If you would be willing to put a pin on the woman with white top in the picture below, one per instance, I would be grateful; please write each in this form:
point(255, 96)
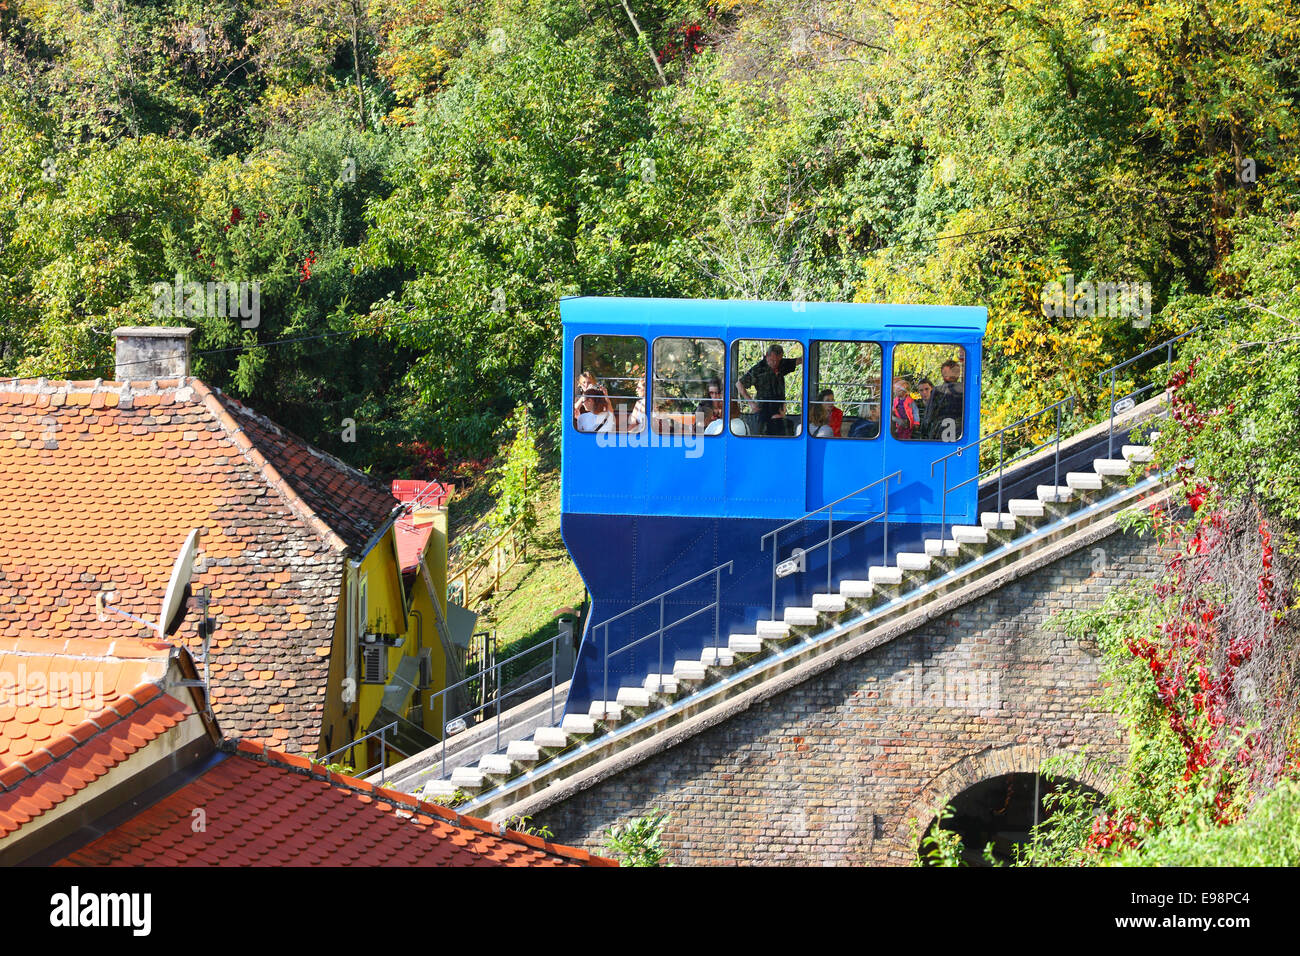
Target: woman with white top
point(596, 414)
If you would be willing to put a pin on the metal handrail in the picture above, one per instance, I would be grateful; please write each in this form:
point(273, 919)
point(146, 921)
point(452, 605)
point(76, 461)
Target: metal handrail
point(382, 733)
point(498, 698)
point(715, 605)
point(1057, 407)
point(1168, 346)
point(829, 508)
point(470, 569)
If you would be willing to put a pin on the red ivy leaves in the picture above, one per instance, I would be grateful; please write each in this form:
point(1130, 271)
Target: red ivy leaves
point(685, 41)
point(1192, 692)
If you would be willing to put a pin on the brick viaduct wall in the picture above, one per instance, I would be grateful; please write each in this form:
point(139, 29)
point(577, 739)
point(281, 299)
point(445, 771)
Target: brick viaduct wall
point(832, 770)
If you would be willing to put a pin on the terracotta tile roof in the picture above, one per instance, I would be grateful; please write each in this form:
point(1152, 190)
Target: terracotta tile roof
point(353, 505)
point(72, 710)
point(102, 483)
point(271, 809)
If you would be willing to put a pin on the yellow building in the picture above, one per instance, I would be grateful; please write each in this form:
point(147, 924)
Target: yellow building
point(396, 636)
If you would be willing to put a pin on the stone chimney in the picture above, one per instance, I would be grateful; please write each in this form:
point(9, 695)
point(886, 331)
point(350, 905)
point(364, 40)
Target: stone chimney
point(152, 352)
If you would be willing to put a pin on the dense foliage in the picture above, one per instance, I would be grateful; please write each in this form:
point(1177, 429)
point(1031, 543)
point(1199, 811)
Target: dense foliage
point(412, 185)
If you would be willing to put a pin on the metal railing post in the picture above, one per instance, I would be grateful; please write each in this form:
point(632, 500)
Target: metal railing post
point(1110, 428)
point(830, 547)
point(885, 561)
point(604, 695)
point(555, 647)
point(717, 610)
point(943, 506)
point(1001, 446)
point(661, 636)
point(1056, 467)
point(774, 551)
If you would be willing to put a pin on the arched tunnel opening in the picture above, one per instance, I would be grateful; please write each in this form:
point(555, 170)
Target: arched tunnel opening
point(1001, 812)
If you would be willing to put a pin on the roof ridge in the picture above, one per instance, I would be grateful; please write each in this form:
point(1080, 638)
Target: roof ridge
point(45, 386)
point(284, 432)
point(235, 432)
point(258, 751)
point(82, 649)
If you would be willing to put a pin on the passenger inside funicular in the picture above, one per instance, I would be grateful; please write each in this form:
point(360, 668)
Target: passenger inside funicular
point(687, 385)
point(931, 412)
point(847, 372)
point(767, 379)
point(610, 386)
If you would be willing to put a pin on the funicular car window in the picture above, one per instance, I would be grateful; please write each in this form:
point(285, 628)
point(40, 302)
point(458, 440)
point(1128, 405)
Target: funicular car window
point(928, 392)
point(844, 390)
point(767, 388)
point(609, 390)
point(687, 394)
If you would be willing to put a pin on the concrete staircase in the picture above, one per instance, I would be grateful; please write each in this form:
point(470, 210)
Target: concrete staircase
point(555, 753)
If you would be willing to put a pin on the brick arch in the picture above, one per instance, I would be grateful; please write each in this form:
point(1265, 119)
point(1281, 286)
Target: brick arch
point(972, 769)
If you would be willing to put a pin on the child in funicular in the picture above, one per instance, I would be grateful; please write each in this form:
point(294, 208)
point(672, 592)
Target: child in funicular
point(903, 418)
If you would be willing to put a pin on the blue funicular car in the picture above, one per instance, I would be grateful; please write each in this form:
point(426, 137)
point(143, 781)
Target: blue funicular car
point(699, 432)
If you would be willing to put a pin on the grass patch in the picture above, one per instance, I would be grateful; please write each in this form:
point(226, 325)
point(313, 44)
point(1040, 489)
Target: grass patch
point(523, 610)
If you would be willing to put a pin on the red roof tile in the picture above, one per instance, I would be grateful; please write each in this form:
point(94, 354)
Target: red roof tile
point(262, 809)
point(101, 499)
point(70, 712)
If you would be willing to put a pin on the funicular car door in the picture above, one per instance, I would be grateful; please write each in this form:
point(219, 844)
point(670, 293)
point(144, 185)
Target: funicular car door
point(932, 411)
point(845, 443)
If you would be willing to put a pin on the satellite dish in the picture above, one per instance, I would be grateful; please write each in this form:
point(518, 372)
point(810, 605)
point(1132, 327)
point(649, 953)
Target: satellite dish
point(181, 571)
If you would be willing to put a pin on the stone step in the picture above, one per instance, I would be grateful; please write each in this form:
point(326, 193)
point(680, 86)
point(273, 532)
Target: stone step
point(828, 603)
point(882, 575)
point(996, 521)
point(633, 697)
point(717, 657)
point(496, 765)
point(969, 534)
point(856, 589)
point(1111, 467)
point(912, 561)
point(1138, 452)
point(769, 629)
point(551, 738)
point(1084, 481)
point(521, 751)
point(936, 548)
point(1055, 494)
point(468, 778)
point(801, 616)
point(689, 670)
point(1025, 507)
point(660, 684)
point(745, 643)
point(607, 710)
point(436, 791)
point(579, 725)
